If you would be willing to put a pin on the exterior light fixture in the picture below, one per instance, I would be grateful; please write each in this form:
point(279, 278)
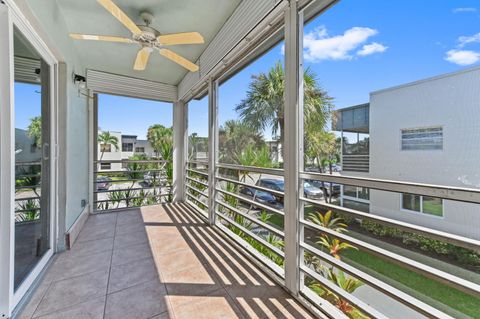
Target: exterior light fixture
point(80, 81)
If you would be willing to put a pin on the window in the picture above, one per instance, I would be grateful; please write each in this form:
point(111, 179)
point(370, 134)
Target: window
point(105, 165)
point(127, 147)
point(105, 148)
point(429, 138)
point(356, 192)
point(423, 204)
point(139, 149)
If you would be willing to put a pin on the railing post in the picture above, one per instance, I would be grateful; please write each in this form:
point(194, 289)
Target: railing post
point(212, 147)
point(293, 144)
point(180, 135)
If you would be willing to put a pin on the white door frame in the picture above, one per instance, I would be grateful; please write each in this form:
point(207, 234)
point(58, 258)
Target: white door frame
point(10, 16)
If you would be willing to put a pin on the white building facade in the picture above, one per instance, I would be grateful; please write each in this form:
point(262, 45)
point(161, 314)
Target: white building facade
point(425, 132)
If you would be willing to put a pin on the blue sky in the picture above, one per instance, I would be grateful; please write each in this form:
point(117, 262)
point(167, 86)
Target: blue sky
point(356, 47)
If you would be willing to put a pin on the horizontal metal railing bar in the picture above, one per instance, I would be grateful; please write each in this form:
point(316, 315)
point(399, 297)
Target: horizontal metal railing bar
point(197, 181)
point(200, 211)
point(123, 180)
point(130, 198)
point(27, 163)
point(253, 169)
point(130, 171)
point(132, 161)
point(436, 274)
point(27, 198)
point(197, 199)
point(19, 176)
point(270, 228)
point(129, 189)
point(27, 210)
point(383, 287)
point(266, 207)
point(197, 190)
point(365, 308)
point(249, 185)
point(27, 187)
point(196, 172)
point(251, 234)
point(429, 232)
point(446, 192)
point(198, 162)
point(355, 155)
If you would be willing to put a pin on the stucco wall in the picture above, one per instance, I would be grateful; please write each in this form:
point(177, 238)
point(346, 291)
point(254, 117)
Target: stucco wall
point(451, 101)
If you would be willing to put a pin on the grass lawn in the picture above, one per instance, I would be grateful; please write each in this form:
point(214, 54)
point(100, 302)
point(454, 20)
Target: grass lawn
point(453, 298)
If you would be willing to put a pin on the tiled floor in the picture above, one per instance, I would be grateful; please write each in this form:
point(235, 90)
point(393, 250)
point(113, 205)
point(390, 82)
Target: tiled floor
point(156, 262)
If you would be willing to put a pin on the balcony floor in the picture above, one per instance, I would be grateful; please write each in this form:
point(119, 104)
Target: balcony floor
point(156, 262)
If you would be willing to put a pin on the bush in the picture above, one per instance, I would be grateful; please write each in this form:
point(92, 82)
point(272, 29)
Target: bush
point(463, 256)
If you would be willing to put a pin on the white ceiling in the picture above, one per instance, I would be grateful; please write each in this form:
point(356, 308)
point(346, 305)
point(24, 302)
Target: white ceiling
point(171, 16)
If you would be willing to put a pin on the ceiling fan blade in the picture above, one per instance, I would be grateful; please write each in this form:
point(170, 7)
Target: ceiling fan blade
point(181, 38)
point(179, 59)
point(120, 15)
point(142, 59)
point(93, 37)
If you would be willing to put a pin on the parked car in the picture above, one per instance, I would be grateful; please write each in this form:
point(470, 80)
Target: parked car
point(150, 179)
point(335, 188)
point(103, 183)
point(310, 190)
point(262, 197)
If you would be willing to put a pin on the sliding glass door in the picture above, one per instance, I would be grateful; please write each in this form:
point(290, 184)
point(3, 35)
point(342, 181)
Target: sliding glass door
point(27, 198)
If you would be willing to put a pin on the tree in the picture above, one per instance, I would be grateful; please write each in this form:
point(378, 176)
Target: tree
point(157, 134)
point(106, 138)
point(34, 130)
point(235, 137)
point(264, 105)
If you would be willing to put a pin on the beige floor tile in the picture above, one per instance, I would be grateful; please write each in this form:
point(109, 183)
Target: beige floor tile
point(96, 232)
point(69, 264)
point(139, 237)
point(69, 292)
point(292, 311)
point(129, 217)
point(92, 247)
point(131, 274)
point(196, 281)
point(215, 305)
point(125, 255)
point(92, 309)
point(166, 242)
point(155, 215)
point(176, 261)
point(129, 228)
point(140, 302)
point(101, 219)
point(35, 300)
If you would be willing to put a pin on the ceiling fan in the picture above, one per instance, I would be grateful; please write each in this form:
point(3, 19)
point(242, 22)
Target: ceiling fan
point(146, 36)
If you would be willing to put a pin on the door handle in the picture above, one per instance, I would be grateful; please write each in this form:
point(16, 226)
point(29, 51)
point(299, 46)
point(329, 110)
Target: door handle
point(45, 151)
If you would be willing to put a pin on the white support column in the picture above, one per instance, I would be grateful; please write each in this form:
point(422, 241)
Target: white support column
point(293, 144)
point(7, 160)
point(180, 132)
point(212, 147)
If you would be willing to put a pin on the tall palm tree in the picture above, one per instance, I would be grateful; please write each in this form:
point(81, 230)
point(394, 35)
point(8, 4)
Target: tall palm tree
point(235, 137)
point(264, 105)
point(157, 134)
point(34, 130)
point(106, 138)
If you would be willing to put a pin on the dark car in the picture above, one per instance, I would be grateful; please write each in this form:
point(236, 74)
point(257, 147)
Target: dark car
point(259, 196)
point(309, 190)
point(103, 183)
point(326, 186)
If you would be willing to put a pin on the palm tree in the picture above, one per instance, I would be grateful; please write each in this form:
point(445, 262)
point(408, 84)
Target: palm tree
point(235, 137)
point(264, 105)
point(157, 134)
point(106, 138)
point(34, 130)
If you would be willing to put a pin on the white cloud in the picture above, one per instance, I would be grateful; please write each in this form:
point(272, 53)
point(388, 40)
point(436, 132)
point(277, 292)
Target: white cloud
point(464, 40)
point(462, 57)
point(320, 46)
point(461, 10)
point(372, 48)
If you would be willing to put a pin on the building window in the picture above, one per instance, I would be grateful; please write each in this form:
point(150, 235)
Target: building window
point(139, 149)
point(105, 148)
point(127, 147)
point(423, 204)
point(356, 192)
point(428, 138)
point(105, 165)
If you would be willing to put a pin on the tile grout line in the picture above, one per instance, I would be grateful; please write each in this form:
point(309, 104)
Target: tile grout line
point(110, 268)
point(43, 297)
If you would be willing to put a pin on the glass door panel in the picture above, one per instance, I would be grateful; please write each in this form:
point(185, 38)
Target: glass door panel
point(32, 162)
